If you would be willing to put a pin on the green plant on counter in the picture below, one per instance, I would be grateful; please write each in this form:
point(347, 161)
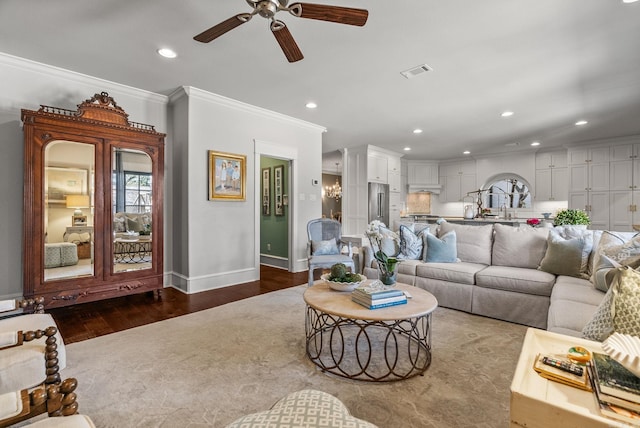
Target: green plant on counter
point(571, 216)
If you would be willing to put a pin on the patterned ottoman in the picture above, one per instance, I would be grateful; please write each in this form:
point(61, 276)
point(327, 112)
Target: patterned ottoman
point(303, 409)
point(60, 254)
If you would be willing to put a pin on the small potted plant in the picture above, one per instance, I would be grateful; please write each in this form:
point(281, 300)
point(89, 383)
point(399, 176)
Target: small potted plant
point(571, 217)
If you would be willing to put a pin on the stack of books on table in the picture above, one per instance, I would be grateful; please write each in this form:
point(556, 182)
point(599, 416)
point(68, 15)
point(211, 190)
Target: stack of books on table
point(376, 295)
point(617, 390)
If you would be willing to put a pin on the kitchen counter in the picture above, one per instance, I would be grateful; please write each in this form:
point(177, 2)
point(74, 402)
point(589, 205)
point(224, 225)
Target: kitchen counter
point(460, 220)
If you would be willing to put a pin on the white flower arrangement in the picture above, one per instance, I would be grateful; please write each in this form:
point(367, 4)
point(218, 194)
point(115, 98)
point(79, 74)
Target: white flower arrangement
point(386, 264)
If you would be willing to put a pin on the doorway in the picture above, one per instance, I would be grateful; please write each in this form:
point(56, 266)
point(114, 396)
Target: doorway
point(274, 212)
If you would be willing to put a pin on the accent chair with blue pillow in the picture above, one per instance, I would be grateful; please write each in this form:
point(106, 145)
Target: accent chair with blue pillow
point(324, 246)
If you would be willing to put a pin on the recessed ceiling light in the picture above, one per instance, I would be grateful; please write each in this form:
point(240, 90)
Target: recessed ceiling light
point(311, 104)
point(506, 113)
point(407, 149)
point(535, 143)
point(629, 1)
point(417, 131)
point(581, 122)
point(167, 53)
point(466, 152)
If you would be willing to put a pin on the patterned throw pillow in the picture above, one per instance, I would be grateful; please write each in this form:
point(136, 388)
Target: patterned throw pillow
point(619, 310)
point(324, 248)
point(411, 244)
point(619, 247)
point(441, 250)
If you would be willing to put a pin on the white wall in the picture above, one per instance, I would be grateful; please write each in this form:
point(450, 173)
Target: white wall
point(220, 236)
point(26, 85)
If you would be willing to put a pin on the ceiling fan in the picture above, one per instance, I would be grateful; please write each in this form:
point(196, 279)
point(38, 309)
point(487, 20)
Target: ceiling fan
point(268, 9)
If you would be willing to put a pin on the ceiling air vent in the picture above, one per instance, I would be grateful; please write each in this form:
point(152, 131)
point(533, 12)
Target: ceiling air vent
point(413, 72)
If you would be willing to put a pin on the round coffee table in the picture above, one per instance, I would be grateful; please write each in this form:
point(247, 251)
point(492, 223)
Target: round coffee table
point(379, 345)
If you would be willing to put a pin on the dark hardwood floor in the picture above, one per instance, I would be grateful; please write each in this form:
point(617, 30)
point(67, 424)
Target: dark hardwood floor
point(88, 320)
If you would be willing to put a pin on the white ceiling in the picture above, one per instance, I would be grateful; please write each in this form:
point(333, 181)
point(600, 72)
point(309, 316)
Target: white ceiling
point(552, 62)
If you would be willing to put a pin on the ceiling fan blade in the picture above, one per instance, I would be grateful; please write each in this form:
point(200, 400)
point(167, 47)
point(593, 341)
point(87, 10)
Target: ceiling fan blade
point(286, 42)
point(223, 27)
point(339, 14)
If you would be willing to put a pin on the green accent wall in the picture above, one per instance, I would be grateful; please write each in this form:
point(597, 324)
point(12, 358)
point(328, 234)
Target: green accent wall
point(274, 230)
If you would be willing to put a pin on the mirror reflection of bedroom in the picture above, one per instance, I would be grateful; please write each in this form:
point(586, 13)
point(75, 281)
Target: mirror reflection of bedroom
point(68, 210)
point(132, 204)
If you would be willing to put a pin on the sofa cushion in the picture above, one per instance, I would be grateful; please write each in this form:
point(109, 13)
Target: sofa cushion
point(408, 267)
point(521, 280)
point(440, 250)
point(522, 247)
point(568, 316)
point(461, 273)
point(567, 254)
point(577, 290)
point(473, 243)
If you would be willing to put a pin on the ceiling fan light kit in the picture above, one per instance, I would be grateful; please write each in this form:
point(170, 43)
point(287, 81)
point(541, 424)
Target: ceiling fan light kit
point(268, 9)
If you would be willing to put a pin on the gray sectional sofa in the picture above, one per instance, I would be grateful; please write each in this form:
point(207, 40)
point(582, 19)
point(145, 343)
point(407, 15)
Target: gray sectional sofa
point(515, 274)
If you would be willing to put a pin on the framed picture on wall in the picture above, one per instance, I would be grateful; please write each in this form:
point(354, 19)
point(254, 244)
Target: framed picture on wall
point(266, 191)
point(61, 182)
point(278, 189)
point(227, 176)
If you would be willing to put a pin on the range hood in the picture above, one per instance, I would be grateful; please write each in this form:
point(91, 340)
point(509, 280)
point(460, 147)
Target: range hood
point(431, 188)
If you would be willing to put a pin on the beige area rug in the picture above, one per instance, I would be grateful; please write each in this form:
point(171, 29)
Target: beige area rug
point(211, 367)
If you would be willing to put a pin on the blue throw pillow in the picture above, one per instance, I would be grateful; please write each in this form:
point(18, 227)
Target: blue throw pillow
point(441, 250)
point(324, 248)
point(411, 244)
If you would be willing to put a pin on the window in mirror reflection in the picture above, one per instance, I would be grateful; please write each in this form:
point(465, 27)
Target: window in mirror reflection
point(510, 191)
point(68, 210)
point(132, 207)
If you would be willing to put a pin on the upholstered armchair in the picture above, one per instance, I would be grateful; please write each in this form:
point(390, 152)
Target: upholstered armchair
point(325, 244)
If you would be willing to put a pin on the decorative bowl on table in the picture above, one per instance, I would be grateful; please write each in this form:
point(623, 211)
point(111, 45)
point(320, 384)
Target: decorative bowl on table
point(342, 286)
point(625, 349)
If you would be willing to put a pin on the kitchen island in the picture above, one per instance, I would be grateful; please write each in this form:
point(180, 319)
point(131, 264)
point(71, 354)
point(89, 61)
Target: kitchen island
point(431, 219)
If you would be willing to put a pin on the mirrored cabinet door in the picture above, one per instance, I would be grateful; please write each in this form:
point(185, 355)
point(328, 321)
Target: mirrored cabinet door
point(93, 198)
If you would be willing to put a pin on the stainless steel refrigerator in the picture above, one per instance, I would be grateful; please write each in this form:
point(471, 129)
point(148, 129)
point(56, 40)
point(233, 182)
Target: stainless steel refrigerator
point(379, 203)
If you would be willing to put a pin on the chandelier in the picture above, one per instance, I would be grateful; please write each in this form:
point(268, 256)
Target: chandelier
point(334, 191)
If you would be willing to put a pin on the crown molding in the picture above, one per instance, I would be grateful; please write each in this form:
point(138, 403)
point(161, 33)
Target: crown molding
point(210, 97)
point(62, 73)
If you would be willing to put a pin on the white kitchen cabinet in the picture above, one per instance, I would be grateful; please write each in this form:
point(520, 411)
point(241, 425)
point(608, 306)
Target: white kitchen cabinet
point(395, 206)
point(576, 156)
point(395, 182)
point(394, 164)
point(625, 167)
point(589, 183)
point(377, 168)
point(422, 172)
point(596, 204)
point(555, 159)
point(589, 176)
point(551, 176)
point(623, 210)
point(552, 184)
point(457, 180)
